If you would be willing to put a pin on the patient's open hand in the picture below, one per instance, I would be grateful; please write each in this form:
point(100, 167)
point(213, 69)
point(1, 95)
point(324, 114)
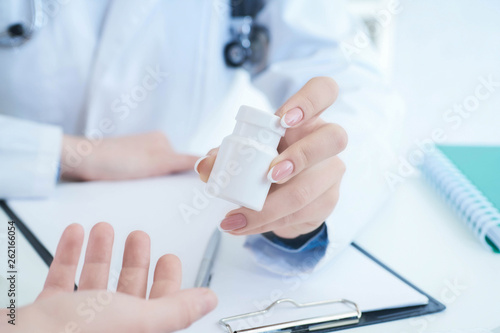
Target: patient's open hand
point(94, 309)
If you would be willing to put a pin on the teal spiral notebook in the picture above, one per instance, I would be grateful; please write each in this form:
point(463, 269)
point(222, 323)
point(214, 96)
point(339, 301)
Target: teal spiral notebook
point(468, 177)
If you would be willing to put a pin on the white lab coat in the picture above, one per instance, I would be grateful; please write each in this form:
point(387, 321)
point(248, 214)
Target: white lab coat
point(107, 68)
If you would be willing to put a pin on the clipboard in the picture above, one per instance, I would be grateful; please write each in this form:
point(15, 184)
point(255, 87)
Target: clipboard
point(349, 319)
point(312, 324)
point(380, 316)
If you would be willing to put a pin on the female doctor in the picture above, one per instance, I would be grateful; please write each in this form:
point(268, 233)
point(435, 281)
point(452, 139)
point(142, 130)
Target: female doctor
point(130, 89)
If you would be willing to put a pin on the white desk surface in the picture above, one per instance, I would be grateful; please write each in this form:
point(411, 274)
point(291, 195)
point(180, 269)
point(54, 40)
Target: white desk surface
point(418, 236)
point(441, 49)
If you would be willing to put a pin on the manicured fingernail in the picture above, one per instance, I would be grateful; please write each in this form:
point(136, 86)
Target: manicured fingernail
point(233, 222)
point(292, 118)
point(280, 171)
point(198, 163)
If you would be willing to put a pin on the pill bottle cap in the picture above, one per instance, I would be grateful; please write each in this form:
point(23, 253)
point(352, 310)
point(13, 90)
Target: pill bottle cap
point(267, 120)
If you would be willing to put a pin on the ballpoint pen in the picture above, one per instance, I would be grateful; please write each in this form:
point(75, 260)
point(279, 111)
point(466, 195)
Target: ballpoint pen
point(205, 270)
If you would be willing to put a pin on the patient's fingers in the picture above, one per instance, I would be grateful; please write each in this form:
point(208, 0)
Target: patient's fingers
point(95, 272)
point(179, 310)
point(168, 276)
point(134, 275)
point(61, 277)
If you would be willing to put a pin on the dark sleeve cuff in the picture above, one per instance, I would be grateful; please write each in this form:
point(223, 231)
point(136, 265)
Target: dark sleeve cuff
point(296, 243)
point(289, 257)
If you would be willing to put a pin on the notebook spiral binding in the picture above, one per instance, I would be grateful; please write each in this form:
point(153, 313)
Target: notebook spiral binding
point(473, 207)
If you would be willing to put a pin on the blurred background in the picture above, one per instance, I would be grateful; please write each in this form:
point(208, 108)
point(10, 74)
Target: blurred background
point(435, 53)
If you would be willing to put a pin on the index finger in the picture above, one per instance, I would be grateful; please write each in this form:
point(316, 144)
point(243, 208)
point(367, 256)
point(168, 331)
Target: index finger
point(168, 276)
point(310, 101)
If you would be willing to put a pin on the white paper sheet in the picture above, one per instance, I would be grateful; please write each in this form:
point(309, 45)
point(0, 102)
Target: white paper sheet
point(244, 287)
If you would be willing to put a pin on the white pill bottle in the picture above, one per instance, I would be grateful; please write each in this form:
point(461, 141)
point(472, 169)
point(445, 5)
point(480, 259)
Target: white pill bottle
point(240, 171)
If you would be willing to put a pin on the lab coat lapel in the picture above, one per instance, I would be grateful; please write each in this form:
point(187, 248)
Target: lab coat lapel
point(123, 19)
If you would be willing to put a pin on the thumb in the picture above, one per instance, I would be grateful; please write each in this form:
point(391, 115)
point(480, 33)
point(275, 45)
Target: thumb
point(182, 162)
point(205, 164)
point(179, 310)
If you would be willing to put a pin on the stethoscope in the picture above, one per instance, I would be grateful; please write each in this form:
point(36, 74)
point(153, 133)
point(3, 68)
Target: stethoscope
point(247, 47)
point(249, 42)
point(19, 33)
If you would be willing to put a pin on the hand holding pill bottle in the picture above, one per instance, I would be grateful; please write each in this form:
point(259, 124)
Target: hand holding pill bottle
point(240, 172)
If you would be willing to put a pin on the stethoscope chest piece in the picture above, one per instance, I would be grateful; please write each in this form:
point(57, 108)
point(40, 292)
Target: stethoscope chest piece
point(250, 41)
point(19, 33)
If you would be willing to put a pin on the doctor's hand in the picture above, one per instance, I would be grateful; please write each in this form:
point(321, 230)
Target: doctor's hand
point(127, 157)
point(94, 309)
point(306, 174)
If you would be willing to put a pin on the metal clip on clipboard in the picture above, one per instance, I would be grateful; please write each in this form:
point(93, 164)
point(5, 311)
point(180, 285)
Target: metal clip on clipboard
point(302, 325)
